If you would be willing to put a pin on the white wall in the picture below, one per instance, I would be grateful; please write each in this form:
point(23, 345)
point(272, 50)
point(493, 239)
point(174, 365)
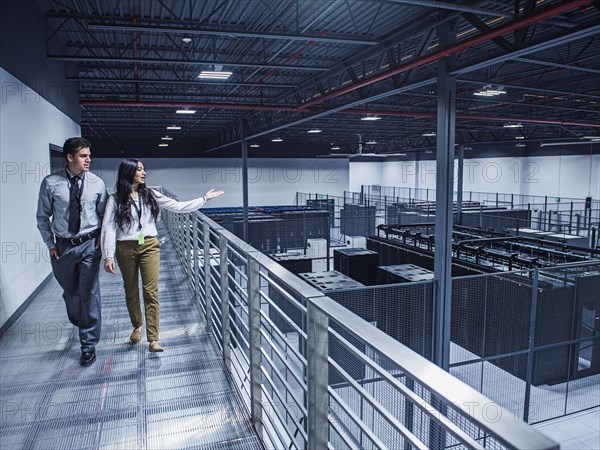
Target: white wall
point(28, 124)
point(554, 176)
point(365, 173)
point(270, 181)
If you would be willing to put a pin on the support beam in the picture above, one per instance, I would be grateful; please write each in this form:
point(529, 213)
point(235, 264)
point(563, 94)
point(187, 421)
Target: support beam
point(443, 216)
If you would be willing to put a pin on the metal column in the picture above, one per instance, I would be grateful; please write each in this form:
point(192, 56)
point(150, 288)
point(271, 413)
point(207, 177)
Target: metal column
point(443, 218)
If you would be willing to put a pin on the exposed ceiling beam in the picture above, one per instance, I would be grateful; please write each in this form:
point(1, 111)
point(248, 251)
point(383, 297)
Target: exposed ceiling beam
point(182, 62)
point(561, 66)
point(581, 32)
point(453, 7)
point(193, 81)
point(135, 104)
point(228, 32)
point(454, 49)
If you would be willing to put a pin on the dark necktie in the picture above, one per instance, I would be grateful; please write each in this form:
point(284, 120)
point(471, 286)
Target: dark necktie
point(74, 206)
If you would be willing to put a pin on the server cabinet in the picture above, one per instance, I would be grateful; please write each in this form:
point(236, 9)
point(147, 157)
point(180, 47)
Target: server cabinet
point(359, 264)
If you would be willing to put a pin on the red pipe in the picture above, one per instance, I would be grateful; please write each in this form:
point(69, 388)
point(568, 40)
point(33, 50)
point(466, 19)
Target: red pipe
point(454, 49)
point(348, 111)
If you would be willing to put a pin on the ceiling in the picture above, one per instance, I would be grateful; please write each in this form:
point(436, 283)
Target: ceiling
point(299, 65)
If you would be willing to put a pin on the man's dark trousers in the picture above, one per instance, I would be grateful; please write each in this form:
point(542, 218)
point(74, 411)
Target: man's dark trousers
point(77, 272)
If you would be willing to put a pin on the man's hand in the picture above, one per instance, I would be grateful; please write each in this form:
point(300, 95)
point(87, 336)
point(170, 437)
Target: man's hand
point(109, 265)
point(53, 253)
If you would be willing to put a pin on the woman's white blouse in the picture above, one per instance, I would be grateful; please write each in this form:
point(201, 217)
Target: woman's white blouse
point(112, 233)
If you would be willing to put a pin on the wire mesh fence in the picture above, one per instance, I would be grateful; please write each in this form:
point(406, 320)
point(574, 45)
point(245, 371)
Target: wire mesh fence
point(313, 374)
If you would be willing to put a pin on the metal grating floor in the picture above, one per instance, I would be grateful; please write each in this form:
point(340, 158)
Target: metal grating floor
point(129, 398)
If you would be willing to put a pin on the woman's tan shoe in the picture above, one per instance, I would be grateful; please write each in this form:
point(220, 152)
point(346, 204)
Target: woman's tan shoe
point(155, 347)
point(136, 335)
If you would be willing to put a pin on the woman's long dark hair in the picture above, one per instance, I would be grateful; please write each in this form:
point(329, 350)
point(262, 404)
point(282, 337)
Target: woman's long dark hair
point(124, 185)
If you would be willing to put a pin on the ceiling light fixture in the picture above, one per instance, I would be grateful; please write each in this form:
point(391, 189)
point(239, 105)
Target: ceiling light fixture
point(553, 144)
point(335, 147)
point(211, 75)
point(314, 130)
point(186, 111)
point(519, 137)
point(166, 138)
point(214, 75)
point(490, 90)
point(187, 40)
point(371, 142)
point(254, 145)
point(513, 125)
point(163, 145)
point(429, 134)
point(370, 117)
point(592, 138)
point(521, 144)
point(173, 127)
point(277, 139)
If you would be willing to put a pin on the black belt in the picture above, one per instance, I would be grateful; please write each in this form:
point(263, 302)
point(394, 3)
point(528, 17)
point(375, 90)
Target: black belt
point(80, 239)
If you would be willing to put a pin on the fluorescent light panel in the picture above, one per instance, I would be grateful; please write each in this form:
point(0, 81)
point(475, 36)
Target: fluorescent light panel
point(513, 125)
point(490, 90)
point(277, 140)
point(254, 145)
point(163, 145)
point(186, 111)
point(213, 75)
point(315, 130)
point(173, 127)
point(166, 138)
point(369, 117)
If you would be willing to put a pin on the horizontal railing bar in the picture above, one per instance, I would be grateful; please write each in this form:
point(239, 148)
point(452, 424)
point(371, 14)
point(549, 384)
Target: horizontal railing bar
point(357, 421)
point(268, 396)
point(271, 383)
point(278, 332)
point(300, 381)
point(383, 411)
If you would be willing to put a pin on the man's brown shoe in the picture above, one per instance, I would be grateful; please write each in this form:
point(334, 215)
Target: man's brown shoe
point(136, 336)
point(155, 347)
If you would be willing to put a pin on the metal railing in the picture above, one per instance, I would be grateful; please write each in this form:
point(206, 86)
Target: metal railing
point(561, 215)
point(313, 374)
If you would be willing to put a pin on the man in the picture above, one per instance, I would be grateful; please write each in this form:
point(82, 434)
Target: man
point(69, 216)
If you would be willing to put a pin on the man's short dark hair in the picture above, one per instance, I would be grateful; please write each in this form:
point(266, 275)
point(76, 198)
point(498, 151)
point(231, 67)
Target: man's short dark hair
point(73, 145)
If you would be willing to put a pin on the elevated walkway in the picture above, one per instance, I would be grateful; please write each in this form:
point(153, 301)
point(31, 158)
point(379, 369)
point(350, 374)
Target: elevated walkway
point(129, 398)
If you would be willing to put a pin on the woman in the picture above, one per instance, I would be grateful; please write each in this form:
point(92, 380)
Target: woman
point(129, 226)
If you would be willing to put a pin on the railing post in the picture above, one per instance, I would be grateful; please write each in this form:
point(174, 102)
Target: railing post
point(207, 290)
point(187, 241)
point(318, 378)
point(225, 327)
point(253, 290)
point(531, 346)
point(196, 266)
